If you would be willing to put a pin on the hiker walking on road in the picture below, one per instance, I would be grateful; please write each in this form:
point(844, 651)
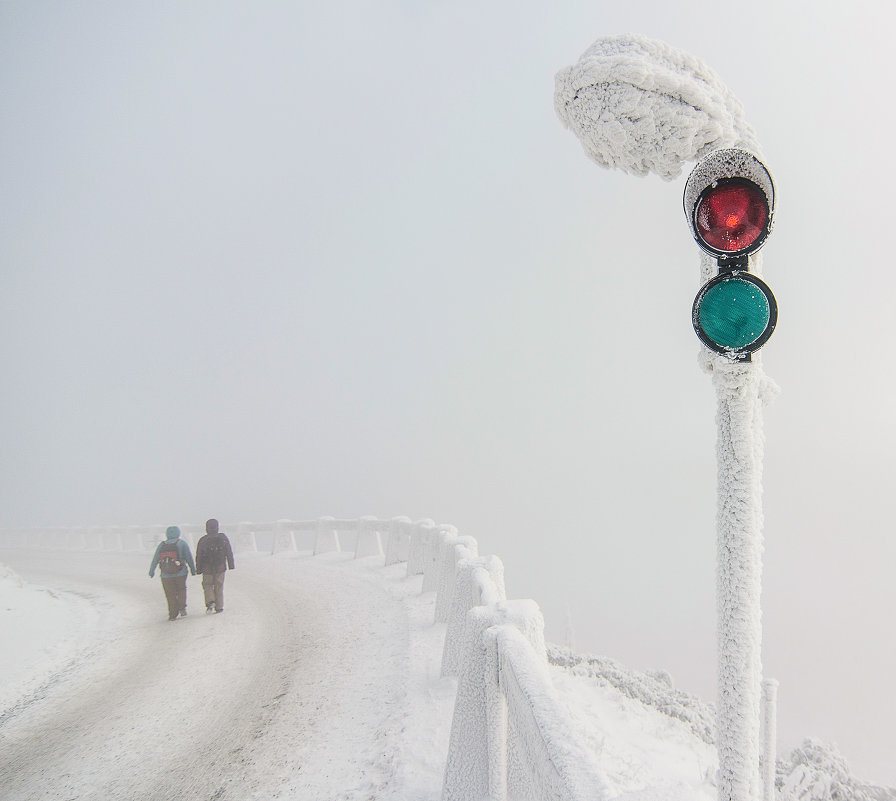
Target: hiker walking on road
point(213, 557)
point(174, 560)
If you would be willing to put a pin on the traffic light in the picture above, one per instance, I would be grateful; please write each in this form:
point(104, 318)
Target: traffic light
point(729, 201)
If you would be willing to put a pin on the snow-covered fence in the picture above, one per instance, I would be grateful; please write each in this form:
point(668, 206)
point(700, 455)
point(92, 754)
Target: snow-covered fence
point(543, 761)
point(85, 538)
point(510, 737)
point(397, 540)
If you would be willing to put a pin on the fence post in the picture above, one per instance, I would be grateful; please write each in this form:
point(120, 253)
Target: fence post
point(369, 542)
point(327, 537)
point(476, 725)
point(479, 581)
point(770, 738)
point(457, 548)
point(433, 557)
point(284, 537)
point(398, 542)
point(245, 538)
point(479, 725)
point(419, 541)
point(496, 722)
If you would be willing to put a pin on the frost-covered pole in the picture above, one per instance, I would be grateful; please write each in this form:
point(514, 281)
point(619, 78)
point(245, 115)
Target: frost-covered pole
point(641, 106)
point(729, 203)
point(770, 741)
point(739, 577)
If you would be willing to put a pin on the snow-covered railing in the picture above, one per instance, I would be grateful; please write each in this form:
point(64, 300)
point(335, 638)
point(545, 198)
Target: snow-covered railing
point(365, 536)
point(543, 761)
point(510, 738)
point(116, 538)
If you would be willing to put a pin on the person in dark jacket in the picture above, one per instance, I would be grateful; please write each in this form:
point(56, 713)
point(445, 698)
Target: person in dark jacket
point(174, 559)
point(213, 557)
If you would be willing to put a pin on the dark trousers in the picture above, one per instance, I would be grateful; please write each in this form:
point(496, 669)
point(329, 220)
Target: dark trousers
point(176, 594)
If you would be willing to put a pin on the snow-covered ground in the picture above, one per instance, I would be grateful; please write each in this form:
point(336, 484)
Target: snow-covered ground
point(305, 687)
point(321, 680)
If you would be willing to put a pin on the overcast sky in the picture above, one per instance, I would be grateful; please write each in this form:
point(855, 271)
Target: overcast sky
point(267, 260)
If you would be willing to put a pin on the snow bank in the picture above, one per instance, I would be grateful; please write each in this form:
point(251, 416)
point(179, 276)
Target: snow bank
point(657, 741)
point(818, 772)
point(651, 690)
point(621, 716)
point(43, 629)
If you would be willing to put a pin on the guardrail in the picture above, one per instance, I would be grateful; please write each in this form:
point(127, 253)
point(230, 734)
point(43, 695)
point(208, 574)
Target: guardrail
point(510, 737)
point(366, 536)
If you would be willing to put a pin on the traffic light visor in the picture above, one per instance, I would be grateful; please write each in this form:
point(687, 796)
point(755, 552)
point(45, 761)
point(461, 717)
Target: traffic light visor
point(729, 200)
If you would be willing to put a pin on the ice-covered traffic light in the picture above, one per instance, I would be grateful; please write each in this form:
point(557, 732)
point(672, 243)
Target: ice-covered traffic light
point(729, 201)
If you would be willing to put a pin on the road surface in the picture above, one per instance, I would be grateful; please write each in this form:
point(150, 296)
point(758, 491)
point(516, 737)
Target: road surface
point(297, 690)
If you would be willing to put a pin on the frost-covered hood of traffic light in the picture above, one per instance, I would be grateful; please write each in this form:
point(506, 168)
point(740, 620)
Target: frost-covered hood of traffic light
point(642, 106)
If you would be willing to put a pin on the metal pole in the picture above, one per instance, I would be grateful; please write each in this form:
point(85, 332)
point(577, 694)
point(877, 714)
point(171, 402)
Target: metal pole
point(739, 545)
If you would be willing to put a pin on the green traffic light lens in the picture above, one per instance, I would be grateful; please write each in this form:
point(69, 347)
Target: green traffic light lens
point(735, 313)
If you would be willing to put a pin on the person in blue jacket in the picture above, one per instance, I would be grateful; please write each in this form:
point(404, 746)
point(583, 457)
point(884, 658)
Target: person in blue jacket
point(174, 560)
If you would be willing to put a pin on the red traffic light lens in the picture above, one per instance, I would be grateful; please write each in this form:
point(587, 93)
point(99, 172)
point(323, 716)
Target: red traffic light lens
point(732, 216)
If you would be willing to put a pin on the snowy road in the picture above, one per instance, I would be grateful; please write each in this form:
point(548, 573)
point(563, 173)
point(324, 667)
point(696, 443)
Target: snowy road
point(298, 690)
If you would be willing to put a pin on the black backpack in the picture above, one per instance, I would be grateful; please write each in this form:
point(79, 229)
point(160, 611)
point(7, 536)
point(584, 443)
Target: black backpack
point(169, 559)
point(215, 552)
